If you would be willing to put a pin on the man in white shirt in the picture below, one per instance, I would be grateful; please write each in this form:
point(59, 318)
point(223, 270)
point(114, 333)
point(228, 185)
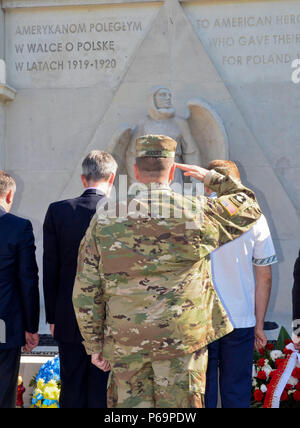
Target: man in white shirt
point(242, 276)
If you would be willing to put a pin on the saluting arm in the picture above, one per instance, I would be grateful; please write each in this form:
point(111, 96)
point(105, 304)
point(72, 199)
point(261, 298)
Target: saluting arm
point(236, 208)
point(231, 214)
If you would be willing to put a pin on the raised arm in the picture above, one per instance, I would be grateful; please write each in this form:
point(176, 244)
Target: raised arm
point(231, 214)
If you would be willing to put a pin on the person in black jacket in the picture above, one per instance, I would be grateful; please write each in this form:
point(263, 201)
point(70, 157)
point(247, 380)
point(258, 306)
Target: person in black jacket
point(296, 304)
point(19, 292)
point(82, 384)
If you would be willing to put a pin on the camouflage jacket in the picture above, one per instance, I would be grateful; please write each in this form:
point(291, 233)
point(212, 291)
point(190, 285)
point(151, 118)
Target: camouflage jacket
point(144, 286)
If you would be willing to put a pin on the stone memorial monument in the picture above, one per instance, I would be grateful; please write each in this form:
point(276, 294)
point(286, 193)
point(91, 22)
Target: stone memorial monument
point(78, 73)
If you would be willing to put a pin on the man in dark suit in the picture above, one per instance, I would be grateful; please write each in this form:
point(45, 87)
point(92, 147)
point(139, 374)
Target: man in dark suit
point(83, 384)
point(296, 304)
point(19, 292)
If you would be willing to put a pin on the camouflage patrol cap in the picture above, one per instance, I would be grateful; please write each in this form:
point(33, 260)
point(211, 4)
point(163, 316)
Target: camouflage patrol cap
point(158, 146)
point(221, 170)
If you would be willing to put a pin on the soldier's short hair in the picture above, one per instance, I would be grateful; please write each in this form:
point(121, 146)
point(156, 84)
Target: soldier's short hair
point(98, 166)
point(225, 167)
point(153, 165)
point(7, 183)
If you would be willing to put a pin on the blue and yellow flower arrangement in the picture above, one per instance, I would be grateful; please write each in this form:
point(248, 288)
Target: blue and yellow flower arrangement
point(47, 385)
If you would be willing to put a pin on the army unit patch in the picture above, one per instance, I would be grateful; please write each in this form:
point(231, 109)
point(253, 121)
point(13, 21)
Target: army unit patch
point(240, 198)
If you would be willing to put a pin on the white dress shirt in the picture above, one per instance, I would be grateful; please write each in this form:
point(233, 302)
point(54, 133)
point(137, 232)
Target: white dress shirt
point(233, 275)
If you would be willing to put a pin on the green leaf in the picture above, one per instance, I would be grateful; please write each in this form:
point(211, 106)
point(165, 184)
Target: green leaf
point(283, 336)
point(33, 383)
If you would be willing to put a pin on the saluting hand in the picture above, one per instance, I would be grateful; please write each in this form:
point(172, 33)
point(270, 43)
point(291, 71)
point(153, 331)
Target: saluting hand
point(99, 362)
point(193, 171)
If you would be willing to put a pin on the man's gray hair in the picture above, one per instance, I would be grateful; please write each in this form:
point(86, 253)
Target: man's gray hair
point(98, 166)
point(7, 183)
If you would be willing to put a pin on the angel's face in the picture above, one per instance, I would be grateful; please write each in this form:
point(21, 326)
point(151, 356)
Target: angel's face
point(163, 99)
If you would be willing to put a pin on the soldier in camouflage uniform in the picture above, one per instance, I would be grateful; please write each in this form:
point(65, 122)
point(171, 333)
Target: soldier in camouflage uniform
point(143, 295)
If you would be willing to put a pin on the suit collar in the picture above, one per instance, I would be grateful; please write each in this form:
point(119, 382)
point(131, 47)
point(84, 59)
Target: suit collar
point(91, 192)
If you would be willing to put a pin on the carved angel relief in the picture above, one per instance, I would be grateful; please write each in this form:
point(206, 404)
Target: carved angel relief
point(201, 136)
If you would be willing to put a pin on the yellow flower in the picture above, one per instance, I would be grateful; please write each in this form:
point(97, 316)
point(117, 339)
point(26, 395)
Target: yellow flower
point(37, 392)
point(49, 393)
point(40, 384)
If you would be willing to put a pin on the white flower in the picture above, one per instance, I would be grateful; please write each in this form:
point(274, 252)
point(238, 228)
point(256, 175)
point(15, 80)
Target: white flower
point(268, 369)
point(276, 354)
point(292, 381)
point(263, 389)
point(254, 372)
point(254, 383)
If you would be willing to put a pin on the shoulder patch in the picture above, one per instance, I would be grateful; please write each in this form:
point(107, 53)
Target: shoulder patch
point(229, 206)
point(240, 198)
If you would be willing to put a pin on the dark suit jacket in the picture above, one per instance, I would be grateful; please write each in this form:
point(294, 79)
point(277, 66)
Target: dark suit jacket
point(296, 295)
point(19, 290)
point(65, 225)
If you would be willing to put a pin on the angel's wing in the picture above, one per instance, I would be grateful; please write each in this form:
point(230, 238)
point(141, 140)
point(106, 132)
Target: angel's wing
point(208, 131)
point(118, 146)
